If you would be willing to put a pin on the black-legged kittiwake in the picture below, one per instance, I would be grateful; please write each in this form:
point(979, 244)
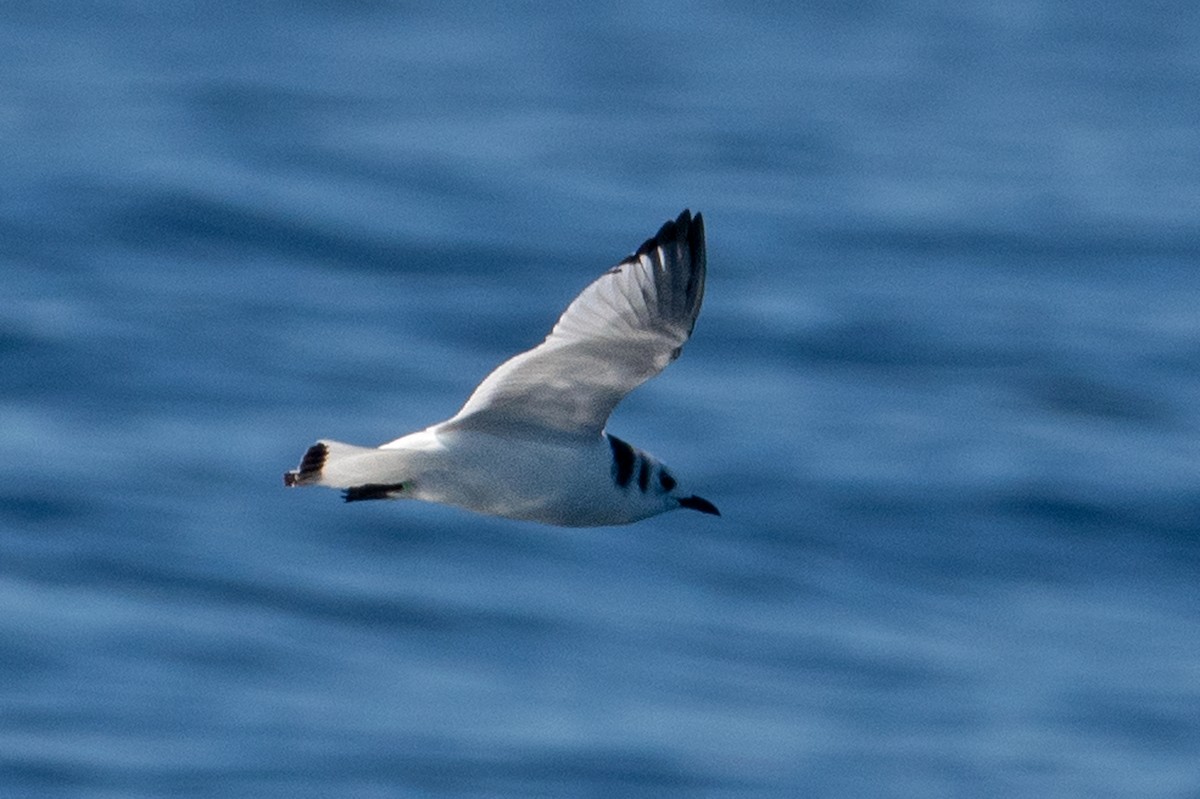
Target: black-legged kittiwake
point(531, 443)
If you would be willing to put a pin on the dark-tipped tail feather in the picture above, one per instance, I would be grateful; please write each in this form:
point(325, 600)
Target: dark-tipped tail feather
point(310, 467)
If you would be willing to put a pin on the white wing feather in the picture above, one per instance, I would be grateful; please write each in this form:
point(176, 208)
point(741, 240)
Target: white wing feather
point(618, 333)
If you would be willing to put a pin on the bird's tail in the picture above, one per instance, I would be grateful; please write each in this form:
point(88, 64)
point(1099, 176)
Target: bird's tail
point(364, 472)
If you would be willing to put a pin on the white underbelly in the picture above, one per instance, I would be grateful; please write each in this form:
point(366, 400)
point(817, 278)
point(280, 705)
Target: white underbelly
point(525, 479)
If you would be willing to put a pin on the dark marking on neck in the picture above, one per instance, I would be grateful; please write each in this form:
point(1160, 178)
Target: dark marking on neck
point(623, 458)
point(644, 474)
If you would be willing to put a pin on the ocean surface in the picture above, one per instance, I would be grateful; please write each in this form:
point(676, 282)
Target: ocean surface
point(945, 390)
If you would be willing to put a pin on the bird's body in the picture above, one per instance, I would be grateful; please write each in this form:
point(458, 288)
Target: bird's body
point(530, 442)
point(556, 482)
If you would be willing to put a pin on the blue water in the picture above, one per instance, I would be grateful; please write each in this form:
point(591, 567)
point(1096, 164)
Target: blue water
point(945, 390)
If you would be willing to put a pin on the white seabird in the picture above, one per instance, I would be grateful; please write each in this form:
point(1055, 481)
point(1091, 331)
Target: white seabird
point(530, 442)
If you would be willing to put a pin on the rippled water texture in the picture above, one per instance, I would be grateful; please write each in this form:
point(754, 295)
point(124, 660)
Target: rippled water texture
point(944, 390)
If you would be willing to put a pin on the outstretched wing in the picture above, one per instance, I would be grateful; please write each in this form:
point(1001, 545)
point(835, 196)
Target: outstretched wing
point(621, 331)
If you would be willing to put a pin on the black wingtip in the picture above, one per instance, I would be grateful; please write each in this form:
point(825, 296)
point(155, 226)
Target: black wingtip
point(699, 503)
point(681, 227)
point(685, 222)
point(372, 491)
point(696, 237)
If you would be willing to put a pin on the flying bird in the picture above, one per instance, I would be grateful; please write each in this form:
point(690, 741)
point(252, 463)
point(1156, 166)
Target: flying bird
point(530, 442)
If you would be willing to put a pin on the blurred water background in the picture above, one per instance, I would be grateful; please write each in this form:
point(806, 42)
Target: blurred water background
point(945, 390)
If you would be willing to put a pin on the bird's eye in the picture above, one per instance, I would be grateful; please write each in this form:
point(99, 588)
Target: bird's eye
point(666, 480)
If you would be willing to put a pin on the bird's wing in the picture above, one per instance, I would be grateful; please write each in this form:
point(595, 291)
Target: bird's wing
point(619, 332)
